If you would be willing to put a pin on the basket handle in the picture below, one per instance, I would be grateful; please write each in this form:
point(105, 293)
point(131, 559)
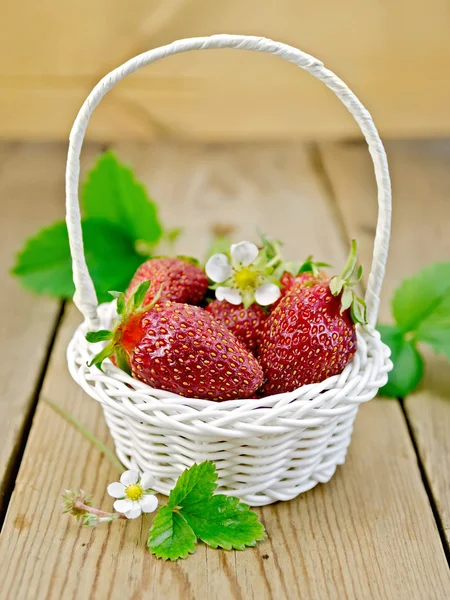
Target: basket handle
point(85, 297)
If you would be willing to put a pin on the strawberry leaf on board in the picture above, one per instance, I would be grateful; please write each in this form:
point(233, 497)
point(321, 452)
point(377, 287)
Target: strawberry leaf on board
point(224, 521)
point(194, 485)
point(408, 363)
point(111, 192)
point(170, 537)
point(194, 512)
point(422, 303)
point(44, 265)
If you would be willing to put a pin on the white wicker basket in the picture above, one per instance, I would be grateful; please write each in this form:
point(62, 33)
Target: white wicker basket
point(264, 450)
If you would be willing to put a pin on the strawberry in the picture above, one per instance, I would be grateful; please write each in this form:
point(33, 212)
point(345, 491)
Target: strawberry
point(311, 334)
point(244, 323)
point(308, 272)
point(180, 348)
point(179, 280)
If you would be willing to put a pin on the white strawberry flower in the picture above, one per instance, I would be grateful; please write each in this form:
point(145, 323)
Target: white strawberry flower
point(133, 494)
point(244, 277)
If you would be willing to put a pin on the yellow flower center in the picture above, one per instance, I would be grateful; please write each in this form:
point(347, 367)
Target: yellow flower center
point(134, 492)
point(246, 278)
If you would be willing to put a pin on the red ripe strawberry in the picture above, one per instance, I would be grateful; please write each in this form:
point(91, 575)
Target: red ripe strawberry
point(311, 333)
point(178, 279)
point(179, 348)
point(309, 272)
point(244, 323)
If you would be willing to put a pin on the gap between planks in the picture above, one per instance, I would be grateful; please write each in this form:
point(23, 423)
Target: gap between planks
point(421, 212)
point(32, 196)
point(12, 468)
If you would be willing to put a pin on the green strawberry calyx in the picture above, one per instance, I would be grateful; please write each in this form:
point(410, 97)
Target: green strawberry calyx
point(126, 310)
point(343, 284)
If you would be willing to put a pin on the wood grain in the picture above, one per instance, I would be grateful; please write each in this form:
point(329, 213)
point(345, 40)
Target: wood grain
point(31, 196)
point(393, 59)
point(421, 217)
point(369, 533)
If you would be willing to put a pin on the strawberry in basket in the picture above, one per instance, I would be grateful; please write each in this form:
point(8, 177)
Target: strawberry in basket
point(245, 323)
point(300, 275)
point(179, 280)
point(311, 334)
point(178, 347)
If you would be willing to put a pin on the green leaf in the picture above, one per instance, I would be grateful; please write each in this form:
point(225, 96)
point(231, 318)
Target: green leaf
point(98, 336)
point(193, 512)
point(336, 285)
point(170, 537)
point(422, 302)
point(111, 192)
point(139, 294)
point(408, 364)
point(196, 484)
point(224, 521)
point(435, 328)
point(347, 299)
point(189, 259)
point(44, 265)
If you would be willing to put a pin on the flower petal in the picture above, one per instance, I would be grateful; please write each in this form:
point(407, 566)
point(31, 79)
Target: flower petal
point(134, 512)
point(148, 503)
point(266, 294)
point(229, 294)
point(116, 490)
point(129, 477)
point(147, 480)
point(244, 253)
point(123, 505)
point(218, 268)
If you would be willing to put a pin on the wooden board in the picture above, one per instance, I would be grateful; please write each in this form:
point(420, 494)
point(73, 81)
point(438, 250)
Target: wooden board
point(369, 533)
point(31, 196)
point(421, 216)
point(51, 54)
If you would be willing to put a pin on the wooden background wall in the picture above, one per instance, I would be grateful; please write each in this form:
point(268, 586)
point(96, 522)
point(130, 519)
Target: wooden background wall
point(395, 54)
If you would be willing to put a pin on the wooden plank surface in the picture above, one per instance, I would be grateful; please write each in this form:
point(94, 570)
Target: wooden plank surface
point(51, 55)
point(421, 218)
point(369, 533)
point(31, 195)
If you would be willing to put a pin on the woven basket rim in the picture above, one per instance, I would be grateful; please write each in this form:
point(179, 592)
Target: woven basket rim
point(370, 348)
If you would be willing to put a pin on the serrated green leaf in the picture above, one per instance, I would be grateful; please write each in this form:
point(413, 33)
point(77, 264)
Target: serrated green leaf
point(224, 521)
point(408, 364)
point(170, 536)
point(111, 192)
point(422, 301)
point(44, 265)
point(196, 484)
